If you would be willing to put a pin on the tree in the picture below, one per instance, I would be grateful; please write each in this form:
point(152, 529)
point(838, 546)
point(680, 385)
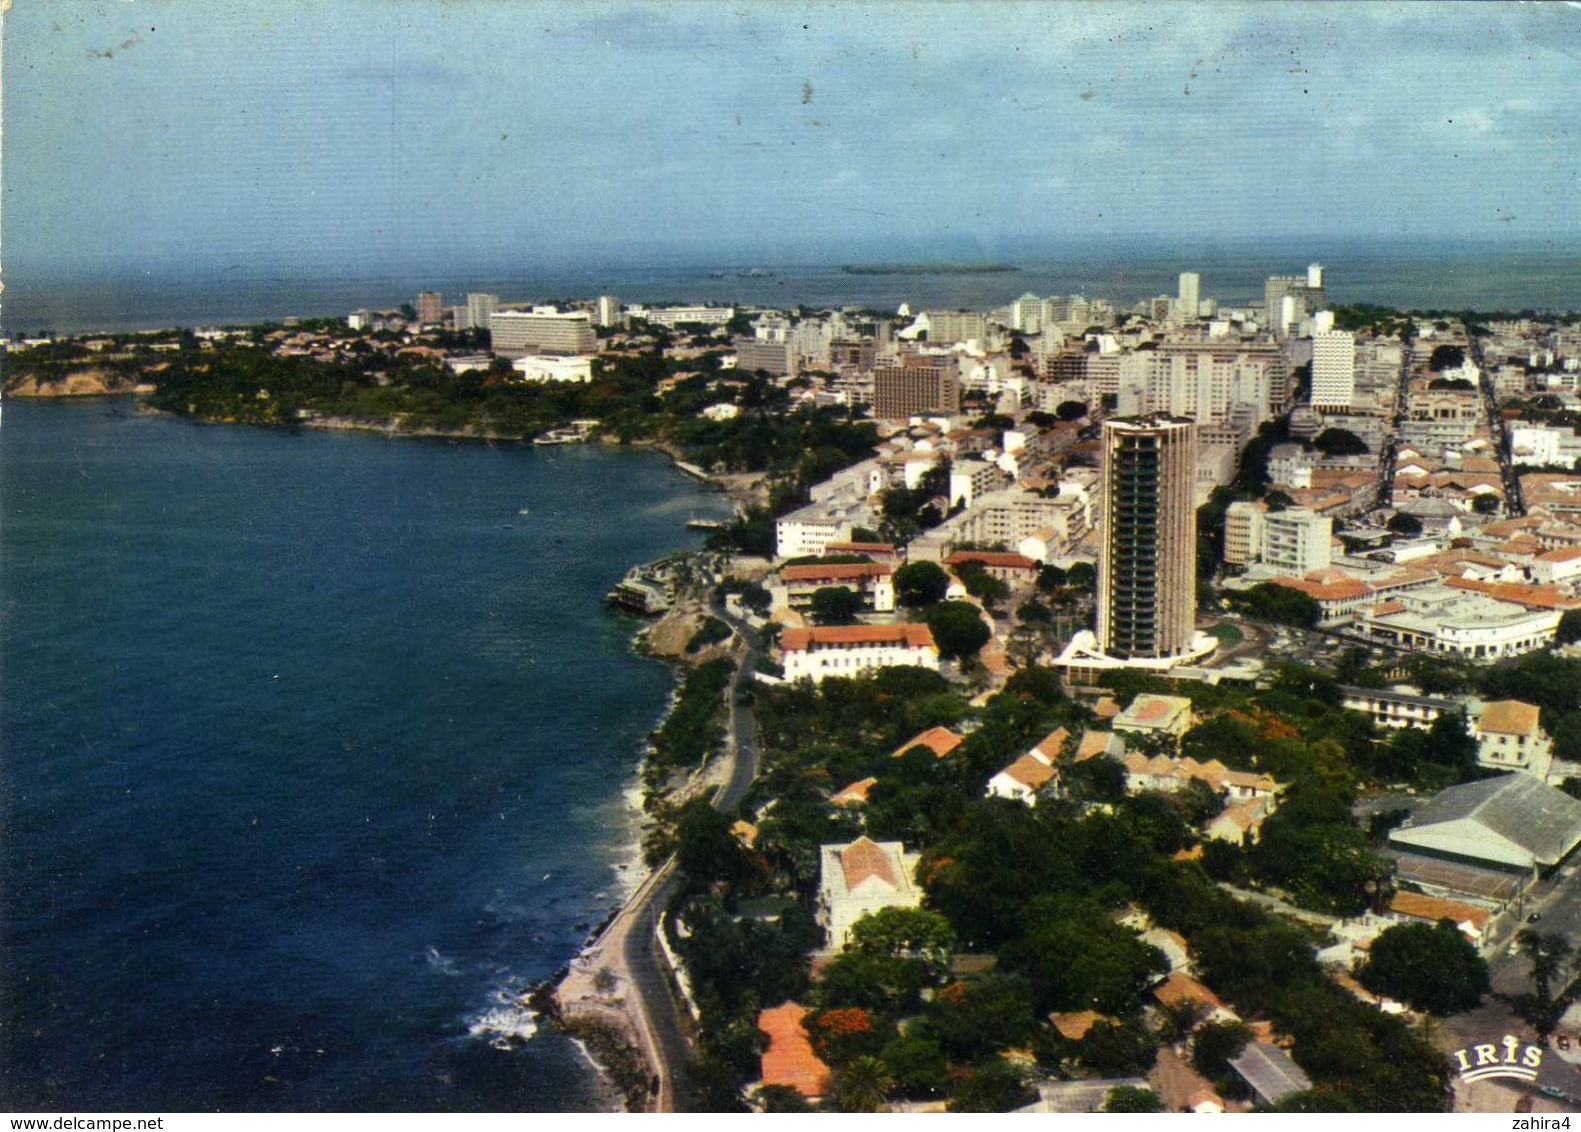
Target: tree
point(995, 1086)
point(1082, 576)
point(1340, 442)
point(1071, 410)
point(862, 1085)
point(835, 605)
point(1405, 523)
point(958, 629)
point(906, 933)
point(1215, 1045)
point(1117, 1051)
point(919, 584)
point(1130, 1098)
point(1551, 954)
point(1428, 967)
point(1569, 630)
point(1486, 503)
point(982, 585)
point(782, 1098)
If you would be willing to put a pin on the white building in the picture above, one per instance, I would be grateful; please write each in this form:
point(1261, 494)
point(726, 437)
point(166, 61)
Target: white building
point(873, 582)
point(851, 650)
point(542, 330)
point(863, 877)
point(553, 367)
point(1333, 370)
point(606, 311)
point(1454, 622)
point(1295, 542)
point(480, 308)
point(807, 531)
point(675, 316)
point(1188, 300)
point(1510, 737)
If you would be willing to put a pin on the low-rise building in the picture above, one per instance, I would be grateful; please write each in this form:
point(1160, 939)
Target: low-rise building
point(1394, 709)
point(1511, 823)
point(851, 650)
point(1012, 569)
point(862, 877)
point(940, 740)
point(1510, 737)
point(1152, 714)
point(1269, 1072)
point(553, 367)
point(871, 581)
point(1022, 779)
point(1453, 620)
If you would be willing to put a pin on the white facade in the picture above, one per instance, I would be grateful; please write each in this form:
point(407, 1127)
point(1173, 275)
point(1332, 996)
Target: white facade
point(1334, 370)
point(542, 330)
point(480, 308)
point(554, 367)
point(863, 877)
point(851, 650)
point(1295, 542)
point(1188, 300)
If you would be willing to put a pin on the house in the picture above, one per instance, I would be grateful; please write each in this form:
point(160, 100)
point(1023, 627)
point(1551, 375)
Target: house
point(1166, 773)
point(863, 877)
point(789, 1059)
point(1240, 821)
point(854, 794)
point(1096, 743)
point(1022, 779)
point(1151, 714)
point(1269, 1072)
point(940, 740)
point(1180, 987)
point(1073, 1026)
point(1051, 746)
point(1510, 737)
point(850, 650)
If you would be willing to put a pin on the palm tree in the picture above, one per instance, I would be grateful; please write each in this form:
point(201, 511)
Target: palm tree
point(1553, 957)
point(863, 1085)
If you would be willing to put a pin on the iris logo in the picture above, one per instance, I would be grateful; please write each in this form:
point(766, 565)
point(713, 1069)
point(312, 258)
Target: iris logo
point(1511, 1057)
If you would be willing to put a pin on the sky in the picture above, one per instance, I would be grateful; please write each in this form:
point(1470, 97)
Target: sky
point(351, 136)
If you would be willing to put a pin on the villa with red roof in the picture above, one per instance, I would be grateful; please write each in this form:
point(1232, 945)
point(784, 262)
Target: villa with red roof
point(1510, 737)
point(1153, 714)
point(851, 650)
point(940, 740)
point(789, 1059)
point(864, 876)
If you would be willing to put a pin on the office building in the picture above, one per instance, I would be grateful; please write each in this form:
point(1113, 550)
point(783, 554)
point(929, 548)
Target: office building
point(1188, 299)
point(909, 390)
point(542, 330)
point(480, 308)
point(1296, 542)
point(1333, 370)
point(1289, 299)
point(1147, 568)
point(607, 311)
point(430, 308)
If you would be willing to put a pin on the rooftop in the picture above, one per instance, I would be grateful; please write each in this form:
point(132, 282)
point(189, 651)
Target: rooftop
point(1270, 1071)
point(789, 1059)
point(906, 636)
point(940, 740)
point(1543, 822)
point(1509, 717)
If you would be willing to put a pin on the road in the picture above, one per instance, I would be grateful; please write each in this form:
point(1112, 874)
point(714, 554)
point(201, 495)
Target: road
point(662, 1023)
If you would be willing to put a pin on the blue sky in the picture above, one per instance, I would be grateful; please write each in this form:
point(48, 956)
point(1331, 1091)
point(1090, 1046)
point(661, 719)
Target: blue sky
point(350, 136)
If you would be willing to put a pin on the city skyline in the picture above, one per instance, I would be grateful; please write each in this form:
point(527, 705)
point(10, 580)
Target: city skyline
point(249, 139)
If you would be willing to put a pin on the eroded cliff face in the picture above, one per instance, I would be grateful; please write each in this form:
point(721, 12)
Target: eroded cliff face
point(80, 383)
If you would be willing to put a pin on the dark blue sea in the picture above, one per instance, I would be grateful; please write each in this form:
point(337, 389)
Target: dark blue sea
point(1510, 275)
point(317, 747)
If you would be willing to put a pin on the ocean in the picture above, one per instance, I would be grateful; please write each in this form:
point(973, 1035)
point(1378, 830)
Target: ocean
point(317, 748)
point(1417, 274)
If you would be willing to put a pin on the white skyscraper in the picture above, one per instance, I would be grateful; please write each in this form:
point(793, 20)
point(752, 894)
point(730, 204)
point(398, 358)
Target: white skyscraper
point(1315, 276)
point(1187, 303)
point(1333, 369)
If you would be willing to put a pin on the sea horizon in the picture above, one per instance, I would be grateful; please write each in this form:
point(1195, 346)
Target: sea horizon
point(1522, 273)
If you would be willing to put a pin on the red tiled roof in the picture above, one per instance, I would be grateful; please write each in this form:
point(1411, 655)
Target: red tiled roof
point(855, 794)
point(1421, 907)
point(835, 572)
point(789, 1059)
point(863, 859)
point(1535, 597)
point(1509, 717)
point(991, 558)
point(910, 636)
point(1181, 987)
point(1052, 744)
point(859, 548)
point(1029, 770)
point(1326, 591)
point(940, 740)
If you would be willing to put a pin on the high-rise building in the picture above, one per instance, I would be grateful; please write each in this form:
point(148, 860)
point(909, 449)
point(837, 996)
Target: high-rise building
point(1147, 562)
point(1188, 298)
point(480, 308)
point(607, 312)
point(1333, 370)
point(901, 391)
point(1288, 299)
point(430, 307)
point(542, 330)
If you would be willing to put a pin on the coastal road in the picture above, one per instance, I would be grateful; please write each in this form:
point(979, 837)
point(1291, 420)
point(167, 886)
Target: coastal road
point(662, 1025)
